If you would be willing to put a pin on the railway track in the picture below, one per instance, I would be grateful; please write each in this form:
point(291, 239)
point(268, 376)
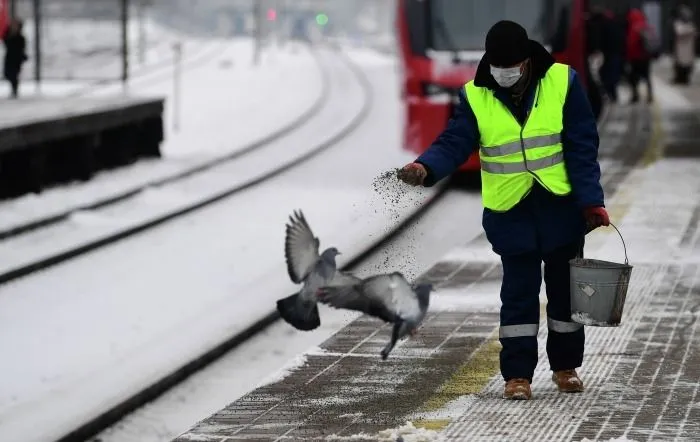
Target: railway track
point(338, 85)
point(617, 154)
point(118, 196)
point(177, 376)
point(332, 118)
point(116, 413)
point(346, 81)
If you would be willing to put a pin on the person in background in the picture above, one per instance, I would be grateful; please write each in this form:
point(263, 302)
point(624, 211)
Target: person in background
point(15, 54)
point(684, 45)
point(594, 44)
point(614, 29)
point(638, 55)
point(538, 143)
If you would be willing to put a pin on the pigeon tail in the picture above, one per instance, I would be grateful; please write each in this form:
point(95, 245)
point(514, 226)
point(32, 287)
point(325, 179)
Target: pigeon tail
point(293, 313)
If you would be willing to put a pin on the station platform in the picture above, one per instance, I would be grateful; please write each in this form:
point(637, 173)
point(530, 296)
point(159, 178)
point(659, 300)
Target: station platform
point(44, 141)
point(641, 377)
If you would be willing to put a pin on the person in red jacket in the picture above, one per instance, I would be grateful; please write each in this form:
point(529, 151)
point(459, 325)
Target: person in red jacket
point(638, 56)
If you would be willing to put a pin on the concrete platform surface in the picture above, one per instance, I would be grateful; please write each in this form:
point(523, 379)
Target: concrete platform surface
point(642, 378)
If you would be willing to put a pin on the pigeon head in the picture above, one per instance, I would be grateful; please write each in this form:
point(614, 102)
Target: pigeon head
point(329, 255)
point(423, 293)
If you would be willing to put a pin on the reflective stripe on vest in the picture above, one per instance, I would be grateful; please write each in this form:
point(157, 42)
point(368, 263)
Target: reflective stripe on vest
point(523, 166)
point(513, 156)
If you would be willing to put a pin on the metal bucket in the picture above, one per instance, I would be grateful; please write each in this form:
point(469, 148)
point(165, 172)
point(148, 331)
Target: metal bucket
point(599, 289)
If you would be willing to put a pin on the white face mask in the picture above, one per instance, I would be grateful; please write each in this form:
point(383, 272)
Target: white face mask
point(506, 77)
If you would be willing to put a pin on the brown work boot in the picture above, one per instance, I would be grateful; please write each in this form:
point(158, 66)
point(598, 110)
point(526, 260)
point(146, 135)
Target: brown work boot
point(517, 389)
point(567, 381)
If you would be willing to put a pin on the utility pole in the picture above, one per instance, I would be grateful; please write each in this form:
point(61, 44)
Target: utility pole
point(37, 41)
point(177, 80)
point(125, 40)
point(142, 30)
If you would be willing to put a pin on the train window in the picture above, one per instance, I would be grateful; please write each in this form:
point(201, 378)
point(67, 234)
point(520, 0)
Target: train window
point(463, 24)
point(415, 11)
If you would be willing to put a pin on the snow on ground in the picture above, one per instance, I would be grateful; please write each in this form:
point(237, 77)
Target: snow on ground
point(649, 182)
point(234, 375)
point(226, 104)
point(256, 361)
point(669, 97)
point(487, 299)
point(345, 100)
point(287, 369)
point(648, 194)
point(405, 433)
point(282, 347)
point(128, 314)
point(252, 361)
point(409, 433)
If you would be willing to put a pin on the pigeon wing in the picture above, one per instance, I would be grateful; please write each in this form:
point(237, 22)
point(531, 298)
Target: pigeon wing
point(300, 248)
point(394, 292)
point(343, 279)
point(353, 297)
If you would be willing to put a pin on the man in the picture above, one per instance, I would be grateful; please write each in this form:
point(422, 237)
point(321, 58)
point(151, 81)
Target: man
point(684, 45)
point(540, 188)
point(613, 31)
point(15, 54)
point(639, 56)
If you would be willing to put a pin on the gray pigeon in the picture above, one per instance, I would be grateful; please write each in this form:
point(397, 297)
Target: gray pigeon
point(305, 265)
point(389, 297)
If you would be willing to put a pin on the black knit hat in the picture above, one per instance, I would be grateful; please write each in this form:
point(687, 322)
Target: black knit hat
point(507, 44)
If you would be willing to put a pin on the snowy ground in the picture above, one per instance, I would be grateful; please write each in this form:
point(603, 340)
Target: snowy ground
point(161, 297)
point(343, 102)
point(225, 105)
point(636, 394)
point(269, 355)
point(128, 314)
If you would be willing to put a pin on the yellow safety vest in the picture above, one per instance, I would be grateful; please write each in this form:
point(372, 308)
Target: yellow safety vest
point(513, 156)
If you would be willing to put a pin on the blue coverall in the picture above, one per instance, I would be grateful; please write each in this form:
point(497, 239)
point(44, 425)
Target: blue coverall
point(541, 227)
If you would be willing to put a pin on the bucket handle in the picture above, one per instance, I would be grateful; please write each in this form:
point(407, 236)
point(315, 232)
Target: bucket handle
point(624, 246)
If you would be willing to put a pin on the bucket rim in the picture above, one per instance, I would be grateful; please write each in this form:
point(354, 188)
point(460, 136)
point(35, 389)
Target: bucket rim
point(580, 263)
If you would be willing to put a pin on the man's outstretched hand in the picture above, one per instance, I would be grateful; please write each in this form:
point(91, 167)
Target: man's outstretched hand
point(413, 174)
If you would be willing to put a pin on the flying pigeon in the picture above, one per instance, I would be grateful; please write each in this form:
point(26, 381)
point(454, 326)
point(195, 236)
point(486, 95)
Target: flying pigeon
point(388, 297)
point(305, 265)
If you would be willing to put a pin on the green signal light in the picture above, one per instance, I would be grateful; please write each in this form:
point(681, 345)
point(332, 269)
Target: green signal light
point(322, 19)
